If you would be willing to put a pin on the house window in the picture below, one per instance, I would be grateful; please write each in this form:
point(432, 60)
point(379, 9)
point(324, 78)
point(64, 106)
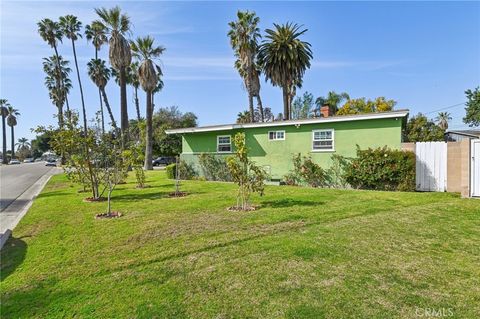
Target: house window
point(322, 140)
point(224, 144)
point(276, 135)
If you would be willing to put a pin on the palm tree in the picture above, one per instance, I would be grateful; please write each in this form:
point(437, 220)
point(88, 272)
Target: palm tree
point(333, 100)
point(71, 27)
point(4, 112)
point(95, 32)
point(12, 122)
point(243, 117)
point(442, 119)
point(57, 70)
point(143, 49)
point(23, 143)
point(244, 34)
point(135, 82)
point(51, 32)
point(100, 74)
point(117, 25)
point(159, 87)
point(284, 59)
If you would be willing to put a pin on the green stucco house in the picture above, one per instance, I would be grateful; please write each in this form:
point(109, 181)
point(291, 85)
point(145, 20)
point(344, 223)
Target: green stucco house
point(273, 144)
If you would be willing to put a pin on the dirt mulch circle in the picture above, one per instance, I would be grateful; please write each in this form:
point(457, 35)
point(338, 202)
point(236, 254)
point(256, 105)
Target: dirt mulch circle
point(108, 215)
point(240, 209)
point(177, 194)
point(93, 200)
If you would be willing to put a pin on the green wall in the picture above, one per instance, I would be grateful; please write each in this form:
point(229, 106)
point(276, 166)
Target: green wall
point(276, 156)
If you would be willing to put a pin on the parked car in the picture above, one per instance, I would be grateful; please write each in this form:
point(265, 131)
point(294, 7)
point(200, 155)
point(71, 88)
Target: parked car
point(50, 162)
point(163, 161)
point(38, 159)
point(28, 160)
point(14, 161)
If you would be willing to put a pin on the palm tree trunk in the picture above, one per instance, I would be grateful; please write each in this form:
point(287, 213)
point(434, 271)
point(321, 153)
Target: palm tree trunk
point(123, 107)
point(148, 140)
point(13, 141)
point(137, 106)
point(250, 107)
point(260, 107)
point(81, 89)
point(286, 108)
point(109, 109)
point(100, 97)
point(4, 140)
point(60, 109)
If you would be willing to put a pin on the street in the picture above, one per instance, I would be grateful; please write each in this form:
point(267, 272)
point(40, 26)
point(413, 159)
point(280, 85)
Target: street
point(16, 179)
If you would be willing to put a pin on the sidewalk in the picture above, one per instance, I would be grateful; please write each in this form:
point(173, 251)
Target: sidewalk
point(11, 216)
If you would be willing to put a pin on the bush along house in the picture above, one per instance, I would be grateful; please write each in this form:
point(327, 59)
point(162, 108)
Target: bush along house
point(272, 145)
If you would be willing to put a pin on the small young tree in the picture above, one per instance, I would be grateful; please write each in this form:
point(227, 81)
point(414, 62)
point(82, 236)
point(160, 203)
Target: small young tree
point(249, 177)
point(135, 158)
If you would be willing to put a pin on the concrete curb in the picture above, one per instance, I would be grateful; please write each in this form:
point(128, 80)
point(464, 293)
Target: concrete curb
point(28, 195)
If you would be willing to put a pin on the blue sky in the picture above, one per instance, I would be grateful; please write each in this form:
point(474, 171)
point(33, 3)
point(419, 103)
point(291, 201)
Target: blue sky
point(422, 54)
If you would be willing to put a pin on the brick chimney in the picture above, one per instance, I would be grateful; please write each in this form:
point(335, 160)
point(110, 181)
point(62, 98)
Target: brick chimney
point(325, 111)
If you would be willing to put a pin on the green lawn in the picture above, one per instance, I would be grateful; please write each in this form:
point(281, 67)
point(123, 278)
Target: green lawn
point(306, 253)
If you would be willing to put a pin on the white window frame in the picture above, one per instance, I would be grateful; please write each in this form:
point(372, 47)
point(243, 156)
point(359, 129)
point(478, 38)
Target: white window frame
point(333, 140)
point(218, 144)
point(276, 139)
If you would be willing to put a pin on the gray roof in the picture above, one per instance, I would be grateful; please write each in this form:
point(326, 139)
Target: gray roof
point(471, 133)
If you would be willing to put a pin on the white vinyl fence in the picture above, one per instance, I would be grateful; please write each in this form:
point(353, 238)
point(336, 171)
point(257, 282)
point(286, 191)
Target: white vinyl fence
point(475, 167)
point(431, 166)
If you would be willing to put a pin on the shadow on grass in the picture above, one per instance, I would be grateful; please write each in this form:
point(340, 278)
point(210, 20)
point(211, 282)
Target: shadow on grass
point(289, 202)
point(54, 194)
point(132, 196)
point(13, 254)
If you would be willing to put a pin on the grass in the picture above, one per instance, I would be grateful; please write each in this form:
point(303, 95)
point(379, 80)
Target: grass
point(306, 253)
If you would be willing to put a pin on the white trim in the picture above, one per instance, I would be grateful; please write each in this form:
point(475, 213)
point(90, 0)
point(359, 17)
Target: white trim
point(343, 118)
point(276, 139)
point(333, 140)
point(230, 144)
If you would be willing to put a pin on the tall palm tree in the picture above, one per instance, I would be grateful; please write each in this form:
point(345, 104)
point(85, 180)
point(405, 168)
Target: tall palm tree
point(12, 122)
point(244, 34)
point(51, 32)
point(159, 87)
point(135, 83)
point(442, 119)
point(4, 112)
point(243, 117)
point(23, 143)
point(284, 59)
point(57, 70)
point(116, 26)
point(100, 74)
point(144, 50)
point(71, 27)
point(95, 32)
point(332, 99)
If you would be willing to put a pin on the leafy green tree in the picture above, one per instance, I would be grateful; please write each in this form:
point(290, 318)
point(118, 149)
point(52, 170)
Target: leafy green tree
point(333, 100)
point(244, 34)
point(284, 58)
point(249, 177)
point(41, 144)
point(442, 120)
point(144, 50)
point(421, 129)
point(302, 106)
point(4, 113)
point(472, 117)
point(116, 25)
point(170, 118)
point(12, 117)
point(362, 105)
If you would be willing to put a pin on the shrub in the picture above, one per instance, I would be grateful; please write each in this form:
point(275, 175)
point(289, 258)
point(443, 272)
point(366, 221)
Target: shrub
point(186, 171)
point(305, 173)
point(214, 168)
point(171, 171)
point(336, 173)
point(382, 169)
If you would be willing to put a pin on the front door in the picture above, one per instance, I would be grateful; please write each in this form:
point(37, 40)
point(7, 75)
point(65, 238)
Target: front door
point(475, 179)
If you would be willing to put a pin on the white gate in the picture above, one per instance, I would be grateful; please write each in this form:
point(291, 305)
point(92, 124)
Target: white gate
point(431, 170)
point(475, 171)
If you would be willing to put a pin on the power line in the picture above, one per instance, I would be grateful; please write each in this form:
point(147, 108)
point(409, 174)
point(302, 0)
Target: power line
point(446, 107)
